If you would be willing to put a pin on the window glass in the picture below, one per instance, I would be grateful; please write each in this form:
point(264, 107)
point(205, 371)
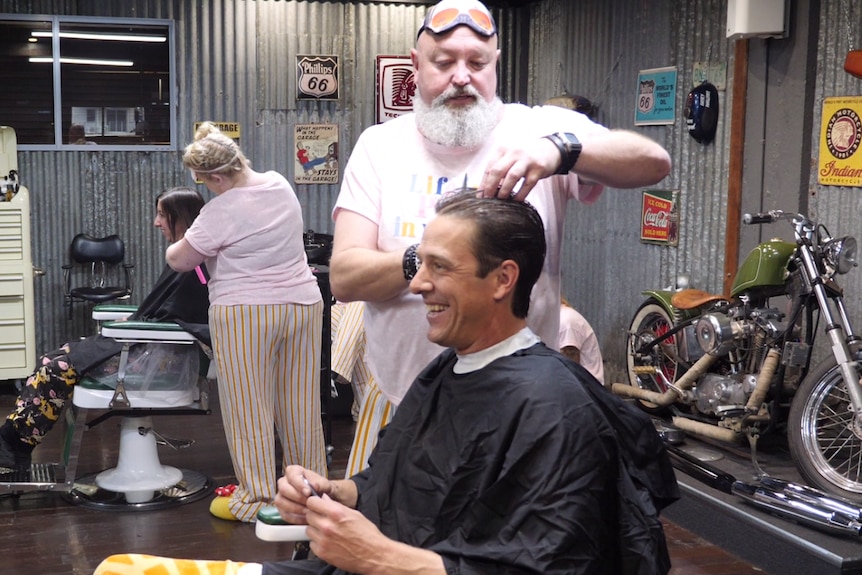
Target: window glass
point(114, 81)
point(27, 98)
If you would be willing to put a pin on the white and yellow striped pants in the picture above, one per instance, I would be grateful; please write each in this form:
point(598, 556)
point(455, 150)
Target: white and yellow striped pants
point(375, 412)
point(268, 359)
point(348, 348)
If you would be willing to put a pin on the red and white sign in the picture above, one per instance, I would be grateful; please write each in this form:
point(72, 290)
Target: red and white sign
point(396, 87)
point(659, 217)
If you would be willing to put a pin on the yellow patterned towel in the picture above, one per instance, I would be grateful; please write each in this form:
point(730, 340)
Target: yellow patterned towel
point(135, 564)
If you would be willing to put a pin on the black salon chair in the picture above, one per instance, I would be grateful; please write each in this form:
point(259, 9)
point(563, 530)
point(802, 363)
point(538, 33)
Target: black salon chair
point(104, 276)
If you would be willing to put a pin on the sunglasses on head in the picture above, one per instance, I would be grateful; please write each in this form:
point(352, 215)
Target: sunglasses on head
point(444, 20)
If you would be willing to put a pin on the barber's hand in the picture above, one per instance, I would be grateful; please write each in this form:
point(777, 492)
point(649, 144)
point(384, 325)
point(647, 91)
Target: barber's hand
point(342, 536)
point(529, 163)
point(293, 493)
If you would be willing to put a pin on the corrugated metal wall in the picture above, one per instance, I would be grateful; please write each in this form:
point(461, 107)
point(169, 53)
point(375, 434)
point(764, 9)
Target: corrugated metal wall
point(595, 48)
point(840, 208)
point(236, 62)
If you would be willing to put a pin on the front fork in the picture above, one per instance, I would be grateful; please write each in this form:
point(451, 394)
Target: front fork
point(847, 365)
point(840, 333)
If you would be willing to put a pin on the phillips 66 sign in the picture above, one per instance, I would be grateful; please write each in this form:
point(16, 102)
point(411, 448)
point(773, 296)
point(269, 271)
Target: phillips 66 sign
point(317, 77)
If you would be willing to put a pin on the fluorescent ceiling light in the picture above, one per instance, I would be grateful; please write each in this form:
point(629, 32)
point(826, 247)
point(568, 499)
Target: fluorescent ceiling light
point(99, 36)
point(86, 61)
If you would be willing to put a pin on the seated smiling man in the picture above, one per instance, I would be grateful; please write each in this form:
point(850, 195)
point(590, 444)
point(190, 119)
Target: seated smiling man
point(504, 457)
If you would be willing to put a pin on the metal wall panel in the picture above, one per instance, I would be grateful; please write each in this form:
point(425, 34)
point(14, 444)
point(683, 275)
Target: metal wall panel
point(595, 48)
point(839, 208)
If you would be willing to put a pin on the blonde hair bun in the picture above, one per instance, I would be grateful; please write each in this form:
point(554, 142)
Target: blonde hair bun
point(205, 129)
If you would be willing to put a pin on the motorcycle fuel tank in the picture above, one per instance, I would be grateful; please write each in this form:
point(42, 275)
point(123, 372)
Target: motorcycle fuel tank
point(765, 266)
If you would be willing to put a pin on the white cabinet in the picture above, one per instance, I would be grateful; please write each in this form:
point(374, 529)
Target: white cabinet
point(17, 313)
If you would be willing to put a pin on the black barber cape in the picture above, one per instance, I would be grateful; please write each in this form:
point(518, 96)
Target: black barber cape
point(176, 296)
point(525, 466)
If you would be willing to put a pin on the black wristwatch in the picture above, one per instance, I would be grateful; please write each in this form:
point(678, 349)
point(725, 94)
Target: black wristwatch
point(410, 262)
point(569, 147)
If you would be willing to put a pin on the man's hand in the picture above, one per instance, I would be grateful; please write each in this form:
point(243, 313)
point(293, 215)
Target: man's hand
point(293, 492)
point(526, 164)
point(343, 537)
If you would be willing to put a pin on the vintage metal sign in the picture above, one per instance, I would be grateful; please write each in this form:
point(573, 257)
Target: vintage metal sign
point(229, 129)
point(656, 97)
point(840, 161)
point(317, 77)
point(316, 153)
point(396, 87)
point(660, 217)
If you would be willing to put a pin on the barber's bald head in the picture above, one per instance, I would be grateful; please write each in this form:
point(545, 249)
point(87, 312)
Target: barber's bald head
point(447, 14)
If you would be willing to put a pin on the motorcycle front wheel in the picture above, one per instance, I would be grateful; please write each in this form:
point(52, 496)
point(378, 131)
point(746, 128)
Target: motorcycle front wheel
point(820, 433)
point(657, 363)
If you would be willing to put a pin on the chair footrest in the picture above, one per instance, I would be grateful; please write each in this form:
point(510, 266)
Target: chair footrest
point(39, 477)
point(271, 527)
point(266, 532)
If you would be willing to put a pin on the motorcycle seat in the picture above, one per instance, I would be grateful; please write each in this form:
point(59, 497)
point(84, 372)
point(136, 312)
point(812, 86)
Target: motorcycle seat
point(694, 298)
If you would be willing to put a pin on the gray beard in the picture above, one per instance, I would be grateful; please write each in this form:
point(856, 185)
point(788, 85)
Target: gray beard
point(467, 127)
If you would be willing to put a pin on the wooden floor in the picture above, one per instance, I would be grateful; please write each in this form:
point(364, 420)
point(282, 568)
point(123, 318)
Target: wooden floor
point(43, 534)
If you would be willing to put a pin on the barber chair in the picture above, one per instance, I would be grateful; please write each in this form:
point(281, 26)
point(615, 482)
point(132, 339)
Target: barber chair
point(138, 481)
point(100, 257)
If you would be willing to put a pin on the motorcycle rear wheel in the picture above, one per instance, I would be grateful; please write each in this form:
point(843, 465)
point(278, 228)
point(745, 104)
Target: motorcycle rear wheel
point(650, 322)
point(824, 447)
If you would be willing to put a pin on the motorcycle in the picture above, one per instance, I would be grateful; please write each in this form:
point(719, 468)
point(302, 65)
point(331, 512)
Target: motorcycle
point(739, 366)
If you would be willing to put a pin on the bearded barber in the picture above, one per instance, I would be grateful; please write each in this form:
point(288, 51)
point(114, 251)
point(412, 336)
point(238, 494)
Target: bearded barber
point(460, 134)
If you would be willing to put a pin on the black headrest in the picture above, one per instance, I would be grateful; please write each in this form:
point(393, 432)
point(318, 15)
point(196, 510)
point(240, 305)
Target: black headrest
point(109, 249)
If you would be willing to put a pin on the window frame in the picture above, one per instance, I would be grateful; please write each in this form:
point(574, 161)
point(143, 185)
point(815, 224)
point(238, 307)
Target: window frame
point(59, 133)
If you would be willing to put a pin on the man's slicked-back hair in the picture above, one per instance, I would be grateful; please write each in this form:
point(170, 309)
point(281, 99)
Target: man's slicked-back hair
point(505, 230)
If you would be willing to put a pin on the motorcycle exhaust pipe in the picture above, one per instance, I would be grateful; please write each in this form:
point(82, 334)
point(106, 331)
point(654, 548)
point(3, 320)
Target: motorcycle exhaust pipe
point(700, 470)
point(673, 393)
point(782, 498)
point(813, 497)
point(764, 380)
point(706, 430)
point(784, 506)
point(660, 399)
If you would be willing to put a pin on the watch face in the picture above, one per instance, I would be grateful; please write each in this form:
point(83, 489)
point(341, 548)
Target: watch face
point(571, 141)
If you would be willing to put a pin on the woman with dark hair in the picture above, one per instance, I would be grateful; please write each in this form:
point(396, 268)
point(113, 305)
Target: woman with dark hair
point(180, 297)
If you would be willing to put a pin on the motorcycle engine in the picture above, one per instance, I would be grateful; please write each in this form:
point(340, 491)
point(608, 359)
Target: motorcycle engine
point(718, 333)
point(716, 393)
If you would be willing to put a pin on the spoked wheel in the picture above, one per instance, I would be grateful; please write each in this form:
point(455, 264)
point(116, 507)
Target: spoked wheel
point(655, 366)
point(824, 436)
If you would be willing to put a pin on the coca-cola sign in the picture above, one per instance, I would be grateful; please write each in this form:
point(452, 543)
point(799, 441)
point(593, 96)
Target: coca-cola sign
point(659, 217)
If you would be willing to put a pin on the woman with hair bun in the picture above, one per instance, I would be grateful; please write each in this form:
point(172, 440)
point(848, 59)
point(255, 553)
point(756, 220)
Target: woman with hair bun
point(265, 318)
